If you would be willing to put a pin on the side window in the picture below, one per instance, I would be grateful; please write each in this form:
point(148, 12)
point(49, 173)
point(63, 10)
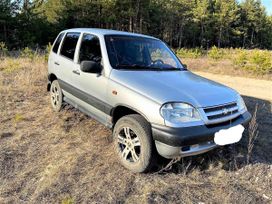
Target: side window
point(57, 43)
point(90, 49)
point(69, 45)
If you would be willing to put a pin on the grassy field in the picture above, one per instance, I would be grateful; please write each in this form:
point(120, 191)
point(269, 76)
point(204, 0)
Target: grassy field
point(66, 157)
point(234, 62)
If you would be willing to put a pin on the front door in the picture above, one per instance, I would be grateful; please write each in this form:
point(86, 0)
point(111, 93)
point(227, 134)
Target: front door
point(91, 87)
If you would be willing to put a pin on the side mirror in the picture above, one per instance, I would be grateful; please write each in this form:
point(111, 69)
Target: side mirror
point(90, 67)
point(185, 66)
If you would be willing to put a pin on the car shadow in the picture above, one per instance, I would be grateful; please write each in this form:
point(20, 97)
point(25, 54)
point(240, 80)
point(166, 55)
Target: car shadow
point(235, 156)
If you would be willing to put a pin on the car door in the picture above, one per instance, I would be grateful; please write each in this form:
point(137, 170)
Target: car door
point(53, 64)
point(65, 64)
point(91, 87)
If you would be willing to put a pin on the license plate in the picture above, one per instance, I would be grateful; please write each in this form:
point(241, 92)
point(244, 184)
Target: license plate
point(229, 136)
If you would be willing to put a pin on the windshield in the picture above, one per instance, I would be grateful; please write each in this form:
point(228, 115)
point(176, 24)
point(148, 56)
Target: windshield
point(132, 52)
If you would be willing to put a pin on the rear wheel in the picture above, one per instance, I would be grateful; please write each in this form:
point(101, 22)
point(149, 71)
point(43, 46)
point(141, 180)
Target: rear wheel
point(133, 143)
point(56, 96)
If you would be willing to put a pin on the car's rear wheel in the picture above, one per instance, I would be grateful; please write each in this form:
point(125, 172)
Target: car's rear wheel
point(56, 96)
point(133, 143)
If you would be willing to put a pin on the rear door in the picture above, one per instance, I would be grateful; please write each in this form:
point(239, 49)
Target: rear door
point(65, 63)
point(53, 57)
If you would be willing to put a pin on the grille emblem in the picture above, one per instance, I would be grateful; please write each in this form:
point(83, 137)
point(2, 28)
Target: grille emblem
point(225, 111)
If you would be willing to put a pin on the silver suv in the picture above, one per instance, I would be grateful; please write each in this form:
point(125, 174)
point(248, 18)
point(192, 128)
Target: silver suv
point(135, 85)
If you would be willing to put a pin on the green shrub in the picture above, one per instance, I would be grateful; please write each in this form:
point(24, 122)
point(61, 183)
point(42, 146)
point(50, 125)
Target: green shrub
point(260, 61)
point(216, 53)
point(256, 61)
point(3, 49)
point(47, 51)
point(240, 57)
point(11, 66)
point(28, 53)
point(228, 53)
point(190, 53)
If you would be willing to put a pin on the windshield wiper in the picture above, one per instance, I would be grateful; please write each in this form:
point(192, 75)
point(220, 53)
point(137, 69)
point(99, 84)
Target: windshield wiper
point(144, 67)
point(132, 66)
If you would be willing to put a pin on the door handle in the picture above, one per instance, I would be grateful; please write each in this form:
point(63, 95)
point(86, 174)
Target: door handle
point(56, 63)
point(76, 72)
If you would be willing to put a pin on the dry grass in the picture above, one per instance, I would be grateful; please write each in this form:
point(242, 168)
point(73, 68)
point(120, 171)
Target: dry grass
point(66, 157)
point(253, 134)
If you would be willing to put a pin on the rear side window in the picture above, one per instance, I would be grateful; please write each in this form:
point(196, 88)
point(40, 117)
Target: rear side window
point(57, 43)
point(69, 45)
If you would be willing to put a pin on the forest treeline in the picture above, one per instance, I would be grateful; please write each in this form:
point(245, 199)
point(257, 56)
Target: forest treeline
point(181, 23)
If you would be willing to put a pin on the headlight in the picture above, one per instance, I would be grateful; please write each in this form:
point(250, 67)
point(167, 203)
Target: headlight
point(241, 104)
point(179, 113)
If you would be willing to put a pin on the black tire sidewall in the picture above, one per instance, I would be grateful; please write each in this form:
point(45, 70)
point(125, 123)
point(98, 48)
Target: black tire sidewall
point(142, 129)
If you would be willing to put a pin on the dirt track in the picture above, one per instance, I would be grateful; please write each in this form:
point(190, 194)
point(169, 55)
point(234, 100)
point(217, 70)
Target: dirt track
point(257, 88)
point(48, 157)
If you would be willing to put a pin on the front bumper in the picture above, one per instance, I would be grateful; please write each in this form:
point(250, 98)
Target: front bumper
point(187, 141)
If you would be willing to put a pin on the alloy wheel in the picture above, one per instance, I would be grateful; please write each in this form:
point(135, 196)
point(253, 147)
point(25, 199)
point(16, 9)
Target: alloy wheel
point(129, 145)
point(55, 95)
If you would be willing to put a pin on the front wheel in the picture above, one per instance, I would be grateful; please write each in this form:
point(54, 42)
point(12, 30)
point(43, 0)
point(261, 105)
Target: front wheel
point(56, 96)
point(133, 143)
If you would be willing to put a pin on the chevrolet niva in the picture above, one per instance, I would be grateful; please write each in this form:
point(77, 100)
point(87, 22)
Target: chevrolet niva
point(135, 85)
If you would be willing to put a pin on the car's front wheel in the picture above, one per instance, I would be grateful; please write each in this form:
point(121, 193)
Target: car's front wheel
point(56, 96)
point(133, 143)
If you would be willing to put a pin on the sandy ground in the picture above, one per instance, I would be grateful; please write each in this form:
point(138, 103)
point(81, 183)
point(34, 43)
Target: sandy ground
point(257, 88)
point(66, 157)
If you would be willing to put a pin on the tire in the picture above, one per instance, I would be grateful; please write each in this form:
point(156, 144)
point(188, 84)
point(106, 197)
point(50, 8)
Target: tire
point(133, 143)
point(56, 96)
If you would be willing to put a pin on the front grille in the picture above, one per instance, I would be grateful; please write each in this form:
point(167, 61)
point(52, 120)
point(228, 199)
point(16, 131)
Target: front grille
point(222, 115)
point(228, 122)
point(221, 112)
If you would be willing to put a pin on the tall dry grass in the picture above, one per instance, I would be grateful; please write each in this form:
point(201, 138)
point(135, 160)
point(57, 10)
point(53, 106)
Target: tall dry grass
point(26, 73)
point(253, 134)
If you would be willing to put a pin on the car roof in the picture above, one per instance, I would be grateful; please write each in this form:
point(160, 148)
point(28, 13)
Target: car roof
point(100, 31)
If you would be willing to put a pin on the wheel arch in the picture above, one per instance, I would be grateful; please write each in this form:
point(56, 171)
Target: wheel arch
point(51, 77)
point(121, 110)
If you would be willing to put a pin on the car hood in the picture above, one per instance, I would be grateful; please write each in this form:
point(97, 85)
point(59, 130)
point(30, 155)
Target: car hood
point(175, 86)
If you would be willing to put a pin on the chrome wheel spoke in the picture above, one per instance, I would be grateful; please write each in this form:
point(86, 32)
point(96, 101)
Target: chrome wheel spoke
point(134, 155)
point(127, 132)
point(129, 145)
point(125, 152)
point(136, 142)
point(55, 95)
point(54, 99)
point(121, 140)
